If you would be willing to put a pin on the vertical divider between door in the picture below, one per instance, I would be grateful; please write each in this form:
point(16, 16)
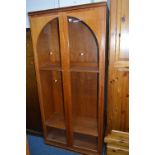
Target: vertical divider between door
point(65, 60)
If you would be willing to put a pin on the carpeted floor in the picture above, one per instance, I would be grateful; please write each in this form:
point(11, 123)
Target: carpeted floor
point(38, 147)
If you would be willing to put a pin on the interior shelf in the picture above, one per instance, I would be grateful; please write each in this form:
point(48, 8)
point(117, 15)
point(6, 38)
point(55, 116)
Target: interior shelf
point(56, 138)
point(56, 135)
point(56, 121)
point(85, 125)
point(86, 142)
point(84, 69)
point(54, 67)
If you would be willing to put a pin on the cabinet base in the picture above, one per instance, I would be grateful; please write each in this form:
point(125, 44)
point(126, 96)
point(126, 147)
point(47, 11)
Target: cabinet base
point(76, 149)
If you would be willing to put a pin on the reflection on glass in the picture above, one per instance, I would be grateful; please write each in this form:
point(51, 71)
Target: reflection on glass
point(82, 45)
point(48, 47)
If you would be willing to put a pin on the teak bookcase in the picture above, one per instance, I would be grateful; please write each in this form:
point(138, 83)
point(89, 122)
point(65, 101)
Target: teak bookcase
point(69, 49)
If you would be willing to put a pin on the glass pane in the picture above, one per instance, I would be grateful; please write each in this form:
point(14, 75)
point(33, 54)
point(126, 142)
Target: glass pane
point(57, 135)
point(85, 141)
point(83, 45)
point(48, 45)
point(51, 82)
point(84, 88)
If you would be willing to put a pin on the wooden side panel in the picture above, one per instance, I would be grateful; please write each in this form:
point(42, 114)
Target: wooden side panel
point(118, 84)
point(122, 16)
point(124, 30)
point(118, 107)
point(33, 116)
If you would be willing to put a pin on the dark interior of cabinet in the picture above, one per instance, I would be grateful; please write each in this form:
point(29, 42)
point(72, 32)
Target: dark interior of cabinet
point(33, 115)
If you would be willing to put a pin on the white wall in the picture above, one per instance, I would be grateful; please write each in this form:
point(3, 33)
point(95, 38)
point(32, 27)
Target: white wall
point(73, 2)
point(35, 5)
point(77, 2)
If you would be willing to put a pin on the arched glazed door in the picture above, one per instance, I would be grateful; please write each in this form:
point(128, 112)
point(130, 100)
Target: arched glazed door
point(48, 51)
point(84, 58)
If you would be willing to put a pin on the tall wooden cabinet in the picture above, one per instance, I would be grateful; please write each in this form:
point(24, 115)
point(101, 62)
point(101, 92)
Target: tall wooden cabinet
point(118, 84)
point(69, 49)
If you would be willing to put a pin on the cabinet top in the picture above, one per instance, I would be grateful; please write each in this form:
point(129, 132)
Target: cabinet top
point(90, 5)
